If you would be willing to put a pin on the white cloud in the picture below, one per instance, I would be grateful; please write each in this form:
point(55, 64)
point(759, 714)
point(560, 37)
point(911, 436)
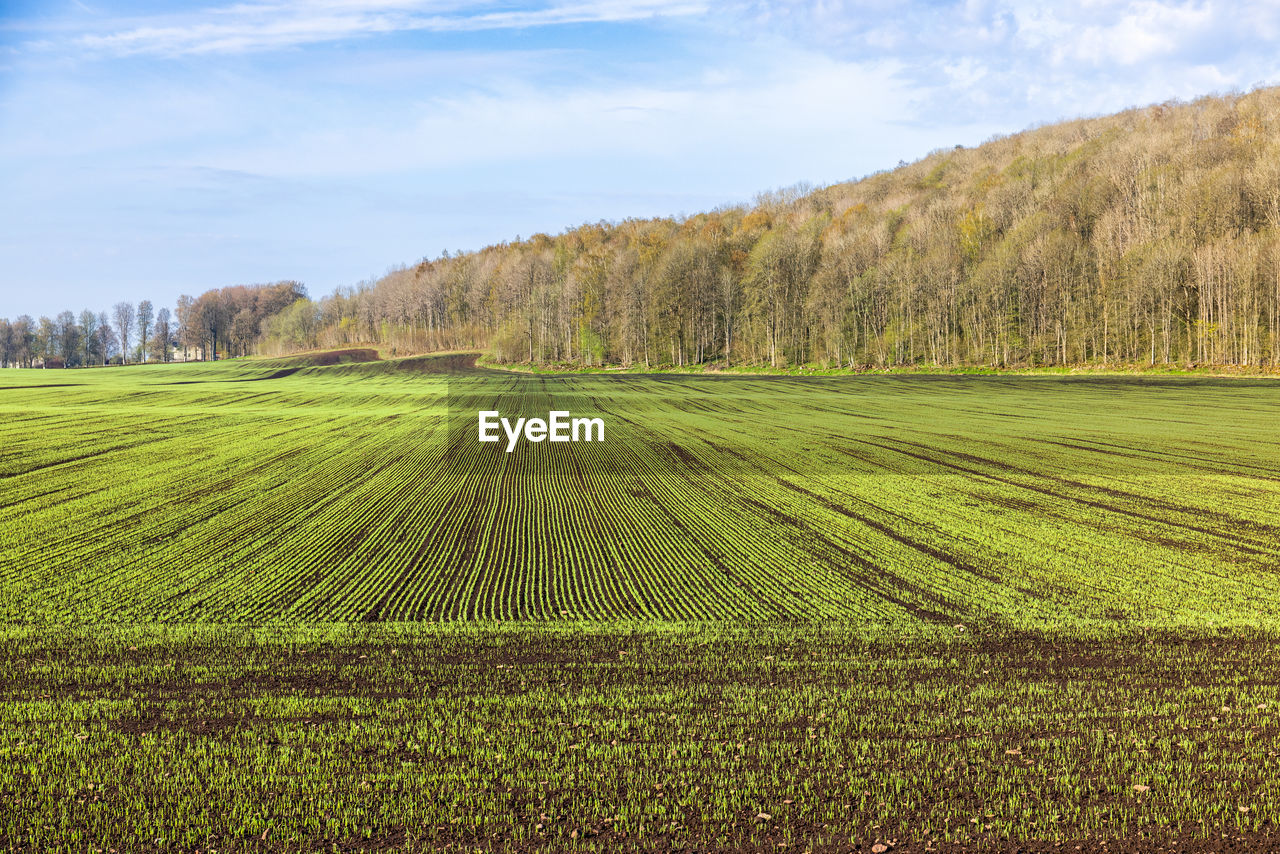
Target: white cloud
point(1007, 59)
point(272, 26)
point(1140, 32)
point(792, 115)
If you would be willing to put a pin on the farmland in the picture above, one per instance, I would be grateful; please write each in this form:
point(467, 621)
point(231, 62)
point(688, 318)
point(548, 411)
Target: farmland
point(294, 605)
point(558, 736)
point(358, 492)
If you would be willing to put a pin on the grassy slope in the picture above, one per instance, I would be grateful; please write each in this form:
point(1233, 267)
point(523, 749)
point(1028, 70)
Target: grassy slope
point(358, 492)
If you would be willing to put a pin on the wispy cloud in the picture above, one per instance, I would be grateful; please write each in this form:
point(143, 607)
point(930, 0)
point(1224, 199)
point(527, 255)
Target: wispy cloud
point(1057, 57)
point(247, 27)
point(793, 116)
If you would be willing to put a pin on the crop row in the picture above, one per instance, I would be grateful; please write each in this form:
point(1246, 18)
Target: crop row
point(215, 493)
point(636, 737)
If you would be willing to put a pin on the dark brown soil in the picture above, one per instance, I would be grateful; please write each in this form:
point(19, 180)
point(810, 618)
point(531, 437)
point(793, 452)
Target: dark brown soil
point(448, 364)
point(337, 357)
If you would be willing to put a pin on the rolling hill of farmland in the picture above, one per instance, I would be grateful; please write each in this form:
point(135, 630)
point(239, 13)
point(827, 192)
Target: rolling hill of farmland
point(263, 491)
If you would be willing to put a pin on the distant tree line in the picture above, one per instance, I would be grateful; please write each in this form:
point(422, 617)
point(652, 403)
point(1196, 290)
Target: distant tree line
point(216, 324)
point(1151, 236)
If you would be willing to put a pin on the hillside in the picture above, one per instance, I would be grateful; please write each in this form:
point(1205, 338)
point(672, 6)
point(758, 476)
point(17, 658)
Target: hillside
point(1147, 237)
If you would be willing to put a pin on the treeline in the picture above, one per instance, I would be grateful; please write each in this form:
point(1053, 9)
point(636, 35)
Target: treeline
point(229, 321)
point(1151, 236)
point(216, 324)
point(127, 333)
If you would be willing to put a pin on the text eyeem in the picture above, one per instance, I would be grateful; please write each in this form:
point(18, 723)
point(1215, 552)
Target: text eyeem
point(559, 426)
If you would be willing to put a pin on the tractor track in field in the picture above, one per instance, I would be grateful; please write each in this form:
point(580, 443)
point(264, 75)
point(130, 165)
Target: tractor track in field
point(1090, 502)
point(42, 385)
point(872, 570)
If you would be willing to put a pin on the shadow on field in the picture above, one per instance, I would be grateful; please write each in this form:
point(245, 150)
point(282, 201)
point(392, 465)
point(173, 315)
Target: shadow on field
point(45, 385)
point(292, 364)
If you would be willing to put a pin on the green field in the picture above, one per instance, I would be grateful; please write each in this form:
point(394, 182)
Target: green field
point(559, 737)
point(358, 492)
point(937, 612)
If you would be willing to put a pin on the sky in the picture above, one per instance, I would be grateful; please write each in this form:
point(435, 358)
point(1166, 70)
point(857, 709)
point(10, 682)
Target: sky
point(149, 149)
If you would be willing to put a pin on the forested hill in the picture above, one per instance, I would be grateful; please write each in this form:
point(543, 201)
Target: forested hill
point(1151, 236)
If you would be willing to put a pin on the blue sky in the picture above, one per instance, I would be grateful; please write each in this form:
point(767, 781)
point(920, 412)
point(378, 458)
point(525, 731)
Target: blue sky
point(149, 149)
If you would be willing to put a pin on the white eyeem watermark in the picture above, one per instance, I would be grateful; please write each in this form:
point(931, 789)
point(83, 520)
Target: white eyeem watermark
point(559, 426)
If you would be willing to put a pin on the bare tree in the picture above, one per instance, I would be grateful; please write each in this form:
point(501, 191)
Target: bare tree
point(145, 316)
point(106, 338)
point(7, 348)
point(24, 340)
point(124, 317)
point(163, 333)
point(108, 342)
point(67, 337)
point(89, 330)
point(46, 341)
point(186, 323)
